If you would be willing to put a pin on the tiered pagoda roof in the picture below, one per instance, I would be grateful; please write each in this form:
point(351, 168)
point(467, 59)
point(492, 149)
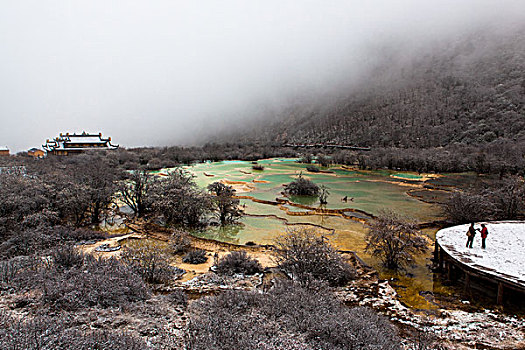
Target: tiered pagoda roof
point(68, 143)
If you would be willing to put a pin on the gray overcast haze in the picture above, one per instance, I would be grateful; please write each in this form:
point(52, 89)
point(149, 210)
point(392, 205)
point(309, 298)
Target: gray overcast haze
point(160, 72)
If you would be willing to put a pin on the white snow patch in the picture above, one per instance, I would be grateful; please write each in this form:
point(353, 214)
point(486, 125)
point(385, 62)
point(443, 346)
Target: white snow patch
point(505, 252)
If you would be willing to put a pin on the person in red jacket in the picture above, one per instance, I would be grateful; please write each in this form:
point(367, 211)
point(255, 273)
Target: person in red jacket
point(484, 233)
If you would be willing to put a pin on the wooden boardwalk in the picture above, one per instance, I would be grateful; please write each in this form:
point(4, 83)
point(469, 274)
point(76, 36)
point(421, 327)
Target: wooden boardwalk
point(497, 267)
point(326, 145)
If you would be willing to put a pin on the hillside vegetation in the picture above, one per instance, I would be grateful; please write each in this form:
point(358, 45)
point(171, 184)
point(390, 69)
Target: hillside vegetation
point(469, 92)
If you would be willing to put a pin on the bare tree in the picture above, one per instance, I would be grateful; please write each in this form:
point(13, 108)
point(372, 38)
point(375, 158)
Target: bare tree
point(179, 241)
point(71, 200)
point(394, 239)
point(463, 207)
point(180, 200)
point(100, 175)
point(20, 197)
point(508, 197)
point(227, 206)
point(323, 160)
point(135, 191)
point(323, 194)
point(497, 200)
point(307, 158)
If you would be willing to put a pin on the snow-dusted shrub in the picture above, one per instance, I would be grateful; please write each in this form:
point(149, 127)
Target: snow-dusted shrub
point(96, 282)
point(287, 317)
point(43, 239)
point(55, 333)
point(238, 262)
point(9, 269)
point(306, 256)
point(150, 261)
point(66, 257)
point(179, 242)
point(195, 257)
point(178, 297)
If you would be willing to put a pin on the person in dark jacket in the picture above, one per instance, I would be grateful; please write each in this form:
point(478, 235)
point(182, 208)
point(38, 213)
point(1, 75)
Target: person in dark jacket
point(484, 233)
point(470, 234)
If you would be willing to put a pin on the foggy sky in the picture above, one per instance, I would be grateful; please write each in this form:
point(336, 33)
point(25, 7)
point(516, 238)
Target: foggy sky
point(157, 72)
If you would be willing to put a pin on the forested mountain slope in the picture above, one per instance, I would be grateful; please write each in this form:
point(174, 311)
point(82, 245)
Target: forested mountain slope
point(468, 92)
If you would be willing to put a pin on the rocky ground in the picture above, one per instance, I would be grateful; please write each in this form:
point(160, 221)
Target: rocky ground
point(163, 318)
point(447, 328)
point(450, 328)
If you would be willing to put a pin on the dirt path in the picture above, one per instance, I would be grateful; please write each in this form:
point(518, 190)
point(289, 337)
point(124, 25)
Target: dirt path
point(215, 249)
point(110, 242)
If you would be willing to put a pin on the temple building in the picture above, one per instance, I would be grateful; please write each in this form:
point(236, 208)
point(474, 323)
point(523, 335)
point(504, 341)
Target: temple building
point(36, 153)
point(4, 151)
point(68, 144)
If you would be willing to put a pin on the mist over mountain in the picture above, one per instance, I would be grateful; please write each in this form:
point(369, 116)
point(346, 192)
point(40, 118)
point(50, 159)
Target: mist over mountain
point(470, 90)
point(176, 73)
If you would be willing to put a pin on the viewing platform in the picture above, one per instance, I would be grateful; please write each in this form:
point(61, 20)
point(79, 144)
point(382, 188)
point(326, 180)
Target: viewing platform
point(499, 267)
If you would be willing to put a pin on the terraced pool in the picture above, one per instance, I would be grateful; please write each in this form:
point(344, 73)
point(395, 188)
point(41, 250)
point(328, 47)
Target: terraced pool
point(367, 192)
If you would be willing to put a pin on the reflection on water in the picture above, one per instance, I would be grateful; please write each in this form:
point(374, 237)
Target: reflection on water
point(229, 233)
point(369, 191)
point(113, 224)
point(305, 200)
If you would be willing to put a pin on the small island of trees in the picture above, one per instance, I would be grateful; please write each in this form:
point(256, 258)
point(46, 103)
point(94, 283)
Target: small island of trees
point(302, 187)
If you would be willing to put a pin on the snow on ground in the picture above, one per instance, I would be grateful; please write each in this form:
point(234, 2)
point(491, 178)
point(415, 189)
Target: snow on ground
point(453, 329)
point(504, 255)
